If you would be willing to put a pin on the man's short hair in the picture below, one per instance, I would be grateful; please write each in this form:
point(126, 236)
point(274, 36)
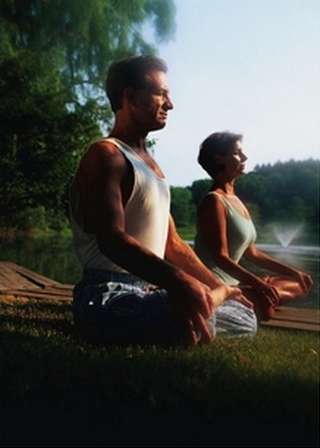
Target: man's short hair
point(130, 72)
point(218, 143)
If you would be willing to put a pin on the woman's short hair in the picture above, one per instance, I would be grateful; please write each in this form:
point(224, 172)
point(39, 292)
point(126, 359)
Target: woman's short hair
point(130, 72)
point(218, 143)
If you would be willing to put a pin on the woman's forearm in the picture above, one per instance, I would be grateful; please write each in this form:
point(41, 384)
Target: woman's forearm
point(237, 271)
point(265, 261)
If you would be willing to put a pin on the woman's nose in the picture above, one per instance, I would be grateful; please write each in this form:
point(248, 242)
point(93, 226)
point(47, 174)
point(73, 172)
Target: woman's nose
point(244, 157)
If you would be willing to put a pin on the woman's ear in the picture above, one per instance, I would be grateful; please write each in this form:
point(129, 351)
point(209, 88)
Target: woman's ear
point(220, 162)
point(219, 158)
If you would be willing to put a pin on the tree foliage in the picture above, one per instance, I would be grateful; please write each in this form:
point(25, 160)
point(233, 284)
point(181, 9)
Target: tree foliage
point(40, 138)
point(53, 59)
point(285, 191)
point(182, 207)
point(83, 37)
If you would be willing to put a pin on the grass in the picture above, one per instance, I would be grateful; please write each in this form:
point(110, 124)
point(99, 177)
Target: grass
point(58, 390)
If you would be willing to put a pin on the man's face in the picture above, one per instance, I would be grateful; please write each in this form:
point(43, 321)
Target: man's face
point(152, 103)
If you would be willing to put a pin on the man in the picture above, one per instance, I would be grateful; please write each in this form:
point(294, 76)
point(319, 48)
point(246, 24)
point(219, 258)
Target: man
point(141, 282)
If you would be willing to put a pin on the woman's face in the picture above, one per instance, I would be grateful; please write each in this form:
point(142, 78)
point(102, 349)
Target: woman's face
point(234, 162)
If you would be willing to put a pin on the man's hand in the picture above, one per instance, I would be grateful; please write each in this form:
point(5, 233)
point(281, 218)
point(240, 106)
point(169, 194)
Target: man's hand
point(195, 302)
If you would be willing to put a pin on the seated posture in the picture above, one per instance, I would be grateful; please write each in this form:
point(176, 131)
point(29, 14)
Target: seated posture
point(225, 232)
point(141, 283)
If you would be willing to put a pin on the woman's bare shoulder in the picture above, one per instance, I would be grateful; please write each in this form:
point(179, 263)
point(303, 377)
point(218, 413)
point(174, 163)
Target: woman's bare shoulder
point(211, 203)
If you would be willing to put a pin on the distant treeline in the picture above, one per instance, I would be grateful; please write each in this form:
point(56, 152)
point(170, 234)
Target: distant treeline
point(286, 192)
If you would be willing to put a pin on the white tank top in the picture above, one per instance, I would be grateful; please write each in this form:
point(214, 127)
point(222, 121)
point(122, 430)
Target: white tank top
point(146, 215)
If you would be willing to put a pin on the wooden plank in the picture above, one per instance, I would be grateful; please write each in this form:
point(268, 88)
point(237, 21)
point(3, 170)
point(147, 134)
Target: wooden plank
point(294, 311)
point(39, 279)
point(41, 292)
point(60, 291)
point(48, 291)
point(64, 286)
point(35, 295)
point(291, 325)
point(16, 277)
point(21, 282)
point(298, 315)
point(295, 318)
point(36, 278)
point(8, 277)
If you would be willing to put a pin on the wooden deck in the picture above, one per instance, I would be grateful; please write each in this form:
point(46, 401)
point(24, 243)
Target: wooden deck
point(294, 318)
point(20, 282)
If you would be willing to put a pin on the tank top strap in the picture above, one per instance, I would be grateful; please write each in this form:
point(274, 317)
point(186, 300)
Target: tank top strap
point(222, 199)
point(123, 147)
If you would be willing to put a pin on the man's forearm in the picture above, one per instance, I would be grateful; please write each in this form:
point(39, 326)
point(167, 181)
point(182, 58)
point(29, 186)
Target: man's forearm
point(126, 252)
point(180, 254)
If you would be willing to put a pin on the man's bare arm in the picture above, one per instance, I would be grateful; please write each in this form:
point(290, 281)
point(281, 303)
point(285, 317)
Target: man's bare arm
point(107, 171)
point(180, 254)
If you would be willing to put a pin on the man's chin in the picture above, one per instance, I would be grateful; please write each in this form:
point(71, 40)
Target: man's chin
point(158, 126)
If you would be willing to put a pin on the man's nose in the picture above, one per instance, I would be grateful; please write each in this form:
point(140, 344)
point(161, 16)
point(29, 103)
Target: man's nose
point(168, 105)
point(244, 157)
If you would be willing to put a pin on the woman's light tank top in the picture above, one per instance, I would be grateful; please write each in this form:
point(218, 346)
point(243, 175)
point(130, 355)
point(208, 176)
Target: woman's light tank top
point(146, 215)
point(241, 234)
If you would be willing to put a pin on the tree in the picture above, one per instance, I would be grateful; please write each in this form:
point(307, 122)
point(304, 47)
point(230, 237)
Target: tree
point(53, 58)
point(83, 37)
point(199, 188)
point(181, 206)
point(39, 139)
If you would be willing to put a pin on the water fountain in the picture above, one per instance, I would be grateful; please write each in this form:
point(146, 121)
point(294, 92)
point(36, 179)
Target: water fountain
point(286, 233)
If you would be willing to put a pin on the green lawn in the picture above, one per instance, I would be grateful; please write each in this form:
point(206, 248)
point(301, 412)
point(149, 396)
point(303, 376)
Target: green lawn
point(58, 390)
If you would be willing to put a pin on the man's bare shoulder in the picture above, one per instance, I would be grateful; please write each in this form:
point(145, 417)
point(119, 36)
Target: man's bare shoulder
point(105, 154)
point(102, 162)
point(102, 159)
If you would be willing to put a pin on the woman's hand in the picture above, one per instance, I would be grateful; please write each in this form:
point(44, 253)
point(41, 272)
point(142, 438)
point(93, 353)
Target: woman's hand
point(304, 280)
point(268, 292)
point(263, 296)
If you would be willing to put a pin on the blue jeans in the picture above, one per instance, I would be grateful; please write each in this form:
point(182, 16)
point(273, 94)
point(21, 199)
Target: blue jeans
point(119, 308)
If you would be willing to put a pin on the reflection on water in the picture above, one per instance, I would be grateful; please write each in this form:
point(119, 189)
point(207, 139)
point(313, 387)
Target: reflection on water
point(55, 258)
point(312, 251)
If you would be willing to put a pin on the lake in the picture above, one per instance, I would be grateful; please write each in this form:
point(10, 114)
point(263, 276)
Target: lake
point(54, 257)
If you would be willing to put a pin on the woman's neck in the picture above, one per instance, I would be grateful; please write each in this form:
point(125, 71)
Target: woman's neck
point(225, 187)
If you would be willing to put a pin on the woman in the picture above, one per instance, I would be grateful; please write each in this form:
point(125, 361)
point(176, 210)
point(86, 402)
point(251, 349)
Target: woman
point(225, 232)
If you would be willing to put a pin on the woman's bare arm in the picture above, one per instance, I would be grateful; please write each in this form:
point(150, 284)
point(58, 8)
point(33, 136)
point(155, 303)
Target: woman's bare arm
point(265, 261)
point(212, 222)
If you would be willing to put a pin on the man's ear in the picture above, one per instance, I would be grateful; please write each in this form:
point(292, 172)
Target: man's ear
point(130, 95)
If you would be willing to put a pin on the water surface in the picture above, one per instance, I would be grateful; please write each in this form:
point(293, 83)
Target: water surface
point(54, 257)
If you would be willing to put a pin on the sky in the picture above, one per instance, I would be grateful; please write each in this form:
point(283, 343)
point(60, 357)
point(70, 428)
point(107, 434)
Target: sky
point(248, 66)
